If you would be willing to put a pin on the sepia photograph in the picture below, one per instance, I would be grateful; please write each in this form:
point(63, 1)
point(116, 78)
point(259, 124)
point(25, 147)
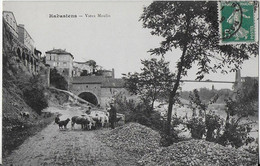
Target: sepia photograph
point(130, 83)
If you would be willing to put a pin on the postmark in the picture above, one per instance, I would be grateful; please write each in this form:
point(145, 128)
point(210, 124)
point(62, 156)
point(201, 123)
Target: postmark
point(237, 22)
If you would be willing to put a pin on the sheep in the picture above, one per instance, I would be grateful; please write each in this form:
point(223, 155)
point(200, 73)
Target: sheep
point(25, 114)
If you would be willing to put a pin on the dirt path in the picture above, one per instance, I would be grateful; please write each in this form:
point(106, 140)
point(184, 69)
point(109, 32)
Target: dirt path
point(69, 147)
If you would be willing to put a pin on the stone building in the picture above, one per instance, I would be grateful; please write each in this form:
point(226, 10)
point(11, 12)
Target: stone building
point(97, 90)
point(108, 73)
point(11, 22)
point(61, 60)
point(79, 67)
point(20, 42)
point(25, 37)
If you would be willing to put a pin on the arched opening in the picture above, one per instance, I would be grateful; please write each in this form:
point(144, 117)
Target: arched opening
point(35, 67)
point(18, 52)
point(31, 61)
point(90, 97)
point(24, 58)
point(28, 61)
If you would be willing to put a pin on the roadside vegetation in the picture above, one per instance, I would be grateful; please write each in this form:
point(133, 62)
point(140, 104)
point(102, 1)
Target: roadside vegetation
point(57, 80)
point(24, 98)
point(185, 26)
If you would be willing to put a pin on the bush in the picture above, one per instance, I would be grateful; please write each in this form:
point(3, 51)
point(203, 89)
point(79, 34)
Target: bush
point(236, 135)
point(213, 123)
point(33, 92)
point(57, 80)
point(137, 112)
point(197, 127)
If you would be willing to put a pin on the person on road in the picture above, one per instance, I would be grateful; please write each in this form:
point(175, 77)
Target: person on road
point(112, 115)
point(88, 111)
point(57, 119)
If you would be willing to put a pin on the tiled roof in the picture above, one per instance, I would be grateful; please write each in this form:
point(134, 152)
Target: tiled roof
point(59, 51)
point(105, 82)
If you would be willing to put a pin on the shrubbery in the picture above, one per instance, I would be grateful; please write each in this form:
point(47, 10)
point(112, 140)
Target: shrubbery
point(57, 80)
point(136, 112)
point(225, 132)
point(33, 92)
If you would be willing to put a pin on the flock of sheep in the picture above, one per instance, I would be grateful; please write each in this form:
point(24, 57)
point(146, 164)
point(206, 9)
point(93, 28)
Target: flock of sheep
point(95, 119)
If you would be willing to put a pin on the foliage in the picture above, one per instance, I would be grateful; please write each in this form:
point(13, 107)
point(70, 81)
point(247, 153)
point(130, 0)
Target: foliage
point(205, 122)
point(235, 134)
point(155, 78)
point(57, 80)
point(246, 102)
point(135, 111)
point(254, 149)
point(193, 28)
point(244, 105)
point(197, 127)
point(232, 132)
point(213, 124)
point(92, 63)
point(33, 92)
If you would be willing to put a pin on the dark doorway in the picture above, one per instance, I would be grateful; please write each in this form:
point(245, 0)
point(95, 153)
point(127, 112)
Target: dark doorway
point(90, 97)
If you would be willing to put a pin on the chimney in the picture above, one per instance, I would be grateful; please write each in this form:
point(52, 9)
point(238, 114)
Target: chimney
point(113, 73)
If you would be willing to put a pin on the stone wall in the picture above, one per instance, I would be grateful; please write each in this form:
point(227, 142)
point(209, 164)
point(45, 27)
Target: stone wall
point(93, 88)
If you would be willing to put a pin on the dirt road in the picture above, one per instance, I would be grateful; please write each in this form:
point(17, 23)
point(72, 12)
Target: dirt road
point(69, 147)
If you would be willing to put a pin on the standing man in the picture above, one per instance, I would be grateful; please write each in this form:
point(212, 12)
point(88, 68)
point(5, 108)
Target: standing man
point(112, 115)
point(88, 111)
point(57, 119)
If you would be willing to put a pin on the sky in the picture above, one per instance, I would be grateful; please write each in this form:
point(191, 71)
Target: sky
point(118, 41)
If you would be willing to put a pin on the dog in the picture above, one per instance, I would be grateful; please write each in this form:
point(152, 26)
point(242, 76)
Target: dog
point(63, 123)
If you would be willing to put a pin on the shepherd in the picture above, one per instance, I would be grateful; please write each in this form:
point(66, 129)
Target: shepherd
point(112, 115)
point(57, 119)
point(88, 111)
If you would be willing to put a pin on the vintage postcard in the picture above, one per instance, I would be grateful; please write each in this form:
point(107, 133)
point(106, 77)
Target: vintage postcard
point(130, 83)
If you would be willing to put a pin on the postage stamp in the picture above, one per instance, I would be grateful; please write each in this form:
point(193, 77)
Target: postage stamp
point(237, 22)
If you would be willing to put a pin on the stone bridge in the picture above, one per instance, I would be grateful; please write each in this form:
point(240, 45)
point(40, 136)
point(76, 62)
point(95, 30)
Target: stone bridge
point(97, 90)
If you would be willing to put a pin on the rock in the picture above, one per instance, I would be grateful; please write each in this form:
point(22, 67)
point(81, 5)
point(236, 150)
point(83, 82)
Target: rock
point(198, 152)
point(133, 138)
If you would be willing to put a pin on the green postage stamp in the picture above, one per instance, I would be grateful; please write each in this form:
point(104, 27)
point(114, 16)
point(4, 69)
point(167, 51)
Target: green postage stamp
point(238, 22)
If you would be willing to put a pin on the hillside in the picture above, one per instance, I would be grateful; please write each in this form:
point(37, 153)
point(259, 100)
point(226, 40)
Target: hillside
point(23, 98)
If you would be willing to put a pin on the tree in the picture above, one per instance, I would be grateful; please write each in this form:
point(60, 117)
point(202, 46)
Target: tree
point(244, 105)
point(57, 80)
point(192, 27)
point(205, 122)
point(97, 70)
point(93, 64)
point(33, 92)
point(154, 79)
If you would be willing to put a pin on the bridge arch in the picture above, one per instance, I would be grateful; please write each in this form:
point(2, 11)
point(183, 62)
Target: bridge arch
point(90, 97)
point(18, 52)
